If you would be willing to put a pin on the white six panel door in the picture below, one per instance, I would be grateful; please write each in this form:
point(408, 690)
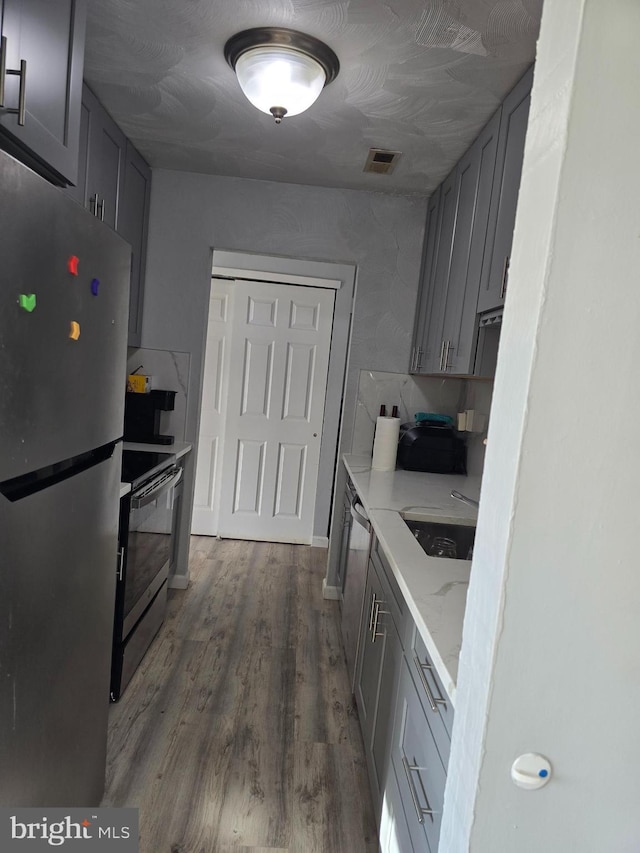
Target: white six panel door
point(278, 361)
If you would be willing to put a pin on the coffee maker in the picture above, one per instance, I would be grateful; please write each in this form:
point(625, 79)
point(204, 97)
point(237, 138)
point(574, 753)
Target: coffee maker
point(142, 416)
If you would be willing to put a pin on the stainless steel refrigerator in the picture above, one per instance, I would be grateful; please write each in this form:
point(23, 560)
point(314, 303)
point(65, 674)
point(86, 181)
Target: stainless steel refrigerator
point(64, 290)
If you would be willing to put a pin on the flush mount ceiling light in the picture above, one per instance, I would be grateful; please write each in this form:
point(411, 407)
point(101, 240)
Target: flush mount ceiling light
point(281, 71)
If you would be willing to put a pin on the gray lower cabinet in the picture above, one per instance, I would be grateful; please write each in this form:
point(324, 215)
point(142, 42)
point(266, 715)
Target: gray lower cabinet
point(418, 767)
point(405, 716)
point(504, 199)
point(43, 53)
point(369, 668)
point(380, 652)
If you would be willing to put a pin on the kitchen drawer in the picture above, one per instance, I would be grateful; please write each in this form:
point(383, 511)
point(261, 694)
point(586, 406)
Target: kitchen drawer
point(418, 766)
point(393, 597)
point(433, 698)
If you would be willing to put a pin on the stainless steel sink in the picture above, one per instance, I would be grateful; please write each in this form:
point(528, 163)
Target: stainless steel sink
point(454, 541)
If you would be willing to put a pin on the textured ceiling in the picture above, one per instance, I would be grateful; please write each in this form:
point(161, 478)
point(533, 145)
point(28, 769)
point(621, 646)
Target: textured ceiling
point(417, 76)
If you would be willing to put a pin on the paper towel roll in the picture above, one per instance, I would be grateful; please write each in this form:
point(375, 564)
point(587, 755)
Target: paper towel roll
point(385, 444)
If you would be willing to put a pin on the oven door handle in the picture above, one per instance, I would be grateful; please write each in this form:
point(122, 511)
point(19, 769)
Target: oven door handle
point(138, 503)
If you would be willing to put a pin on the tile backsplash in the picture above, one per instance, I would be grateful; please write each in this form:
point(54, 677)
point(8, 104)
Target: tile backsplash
point(420, 394)
point(410, 393)
point(169, 371)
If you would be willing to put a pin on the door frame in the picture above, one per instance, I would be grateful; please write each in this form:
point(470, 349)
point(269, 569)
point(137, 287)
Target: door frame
point(327, 274)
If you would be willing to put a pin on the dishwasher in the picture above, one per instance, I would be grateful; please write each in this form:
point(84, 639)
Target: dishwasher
point(354, 584)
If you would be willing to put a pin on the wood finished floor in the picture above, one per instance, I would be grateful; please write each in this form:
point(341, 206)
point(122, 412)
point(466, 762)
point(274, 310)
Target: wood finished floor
point(237, 732)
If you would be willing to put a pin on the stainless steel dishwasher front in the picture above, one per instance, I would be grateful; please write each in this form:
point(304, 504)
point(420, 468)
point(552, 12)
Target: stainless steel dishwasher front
point(354, 584)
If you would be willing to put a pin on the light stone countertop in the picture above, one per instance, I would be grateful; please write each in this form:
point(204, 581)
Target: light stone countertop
point(435, 588)
point(125, 488)
point(180, 448)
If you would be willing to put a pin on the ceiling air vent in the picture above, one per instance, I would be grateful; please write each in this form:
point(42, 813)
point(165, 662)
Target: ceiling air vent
point(381, 162)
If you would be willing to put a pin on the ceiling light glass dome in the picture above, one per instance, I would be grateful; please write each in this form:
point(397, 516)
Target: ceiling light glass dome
point(281, 71)
point(275, 79)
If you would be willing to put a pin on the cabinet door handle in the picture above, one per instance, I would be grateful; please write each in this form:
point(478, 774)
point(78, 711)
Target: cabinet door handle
point(447, 350)
point(419, 355)
point(93, 204)
point(505, 276)
point(100, 208)
point(378, 612)
point(371, 609)
point(21, 110)
point(421, 811)
point(442, 351)
point(434, 701)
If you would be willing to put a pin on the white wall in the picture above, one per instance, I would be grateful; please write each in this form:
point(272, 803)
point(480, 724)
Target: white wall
point(191, 214)
point(551, 651)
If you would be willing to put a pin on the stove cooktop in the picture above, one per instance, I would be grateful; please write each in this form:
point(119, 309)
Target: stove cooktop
point(139, 465)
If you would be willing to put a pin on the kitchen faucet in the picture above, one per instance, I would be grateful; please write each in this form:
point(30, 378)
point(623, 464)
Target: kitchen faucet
point(465, 500)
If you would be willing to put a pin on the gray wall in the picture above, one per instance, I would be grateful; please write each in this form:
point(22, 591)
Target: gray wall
point(191, 214)
point(550, 653)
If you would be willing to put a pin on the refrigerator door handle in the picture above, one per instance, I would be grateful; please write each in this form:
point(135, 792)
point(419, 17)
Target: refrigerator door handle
point(120, 572)
point(3, 67)
point(28, 484)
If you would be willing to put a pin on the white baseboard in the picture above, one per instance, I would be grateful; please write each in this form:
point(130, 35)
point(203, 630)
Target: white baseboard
point(178, 582)
point(330, 592)
point(320, 542)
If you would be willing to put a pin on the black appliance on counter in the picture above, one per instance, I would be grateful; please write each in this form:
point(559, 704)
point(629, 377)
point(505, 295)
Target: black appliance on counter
point(425, 446)
point(148, 517)
point(142, 414)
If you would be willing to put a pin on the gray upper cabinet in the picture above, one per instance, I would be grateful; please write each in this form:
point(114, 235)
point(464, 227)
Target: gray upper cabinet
point(504, 200)
point(43, 53)
point(475, 179)
point(466, 257)
point(432, 342)
point(426, 291)
point(114, 183)
point(133, 225)
point(449, 331)
point(105, 161)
